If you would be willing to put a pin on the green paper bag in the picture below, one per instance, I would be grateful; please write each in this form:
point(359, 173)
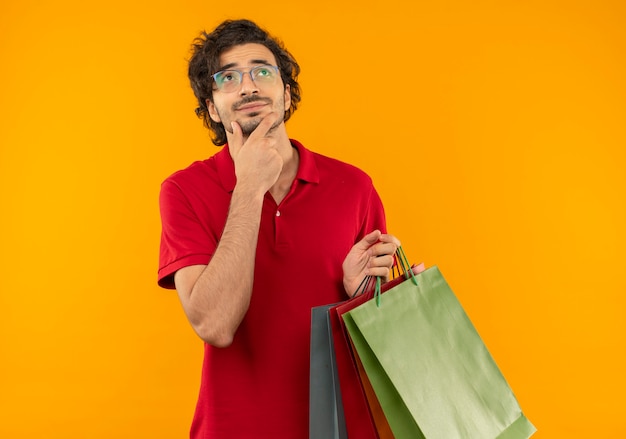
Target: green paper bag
point(431, 372)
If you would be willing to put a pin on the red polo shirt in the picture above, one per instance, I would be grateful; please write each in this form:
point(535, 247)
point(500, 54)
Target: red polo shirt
point(258, 386)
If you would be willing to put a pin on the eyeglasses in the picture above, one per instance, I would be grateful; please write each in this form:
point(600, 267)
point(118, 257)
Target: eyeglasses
point(228, 81)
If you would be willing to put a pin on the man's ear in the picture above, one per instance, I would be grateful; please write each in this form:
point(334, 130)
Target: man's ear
point(287, 97)
point(213, 114)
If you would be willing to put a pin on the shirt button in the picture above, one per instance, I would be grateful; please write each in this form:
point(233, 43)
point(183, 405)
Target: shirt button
point(278, 213)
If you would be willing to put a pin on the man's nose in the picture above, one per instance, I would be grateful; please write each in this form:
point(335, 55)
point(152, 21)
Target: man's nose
point(247, 86)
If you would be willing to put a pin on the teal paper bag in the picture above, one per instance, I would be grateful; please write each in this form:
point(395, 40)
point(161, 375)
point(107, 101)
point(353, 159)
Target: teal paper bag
point(430, 370)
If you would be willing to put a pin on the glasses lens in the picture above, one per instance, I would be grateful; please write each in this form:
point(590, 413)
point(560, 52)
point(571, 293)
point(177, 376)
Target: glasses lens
point(263, 74)
point(227, 80)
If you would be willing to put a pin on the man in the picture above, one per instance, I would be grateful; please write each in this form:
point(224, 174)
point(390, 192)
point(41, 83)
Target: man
point(258, 234)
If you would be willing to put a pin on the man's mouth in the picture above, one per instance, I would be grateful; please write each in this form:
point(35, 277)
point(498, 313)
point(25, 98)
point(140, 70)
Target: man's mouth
point(251, 105)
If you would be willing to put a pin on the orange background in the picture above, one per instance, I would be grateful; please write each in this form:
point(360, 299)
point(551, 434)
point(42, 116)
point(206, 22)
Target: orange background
point(494, 131)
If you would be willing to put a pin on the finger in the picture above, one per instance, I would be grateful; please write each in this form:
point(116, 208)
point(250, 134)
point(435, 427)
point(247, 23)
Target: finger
point(384, 248)
point(264, 127)
point(237, 139)
point(382, 272)
point(386, 237)
point(384, 261)
point(368, 240)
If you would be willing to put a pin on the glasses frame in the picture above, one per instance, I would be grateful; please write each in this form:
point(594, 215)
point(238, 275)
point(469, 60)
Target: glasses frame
point(241, 74)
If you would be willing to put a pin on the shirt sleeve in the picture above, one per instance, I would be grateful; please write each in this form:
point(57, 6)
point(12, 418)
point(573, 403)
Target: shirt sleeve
point(184, 241)
point(374, 215)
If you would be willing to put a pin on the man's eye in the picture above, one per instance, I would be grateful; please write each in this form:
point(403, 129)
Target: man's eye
point(227, 77)
point(263, 72)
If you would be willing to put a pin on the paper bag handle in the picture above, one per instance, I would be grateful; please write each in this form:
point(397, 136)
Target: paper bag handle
point(404, 268)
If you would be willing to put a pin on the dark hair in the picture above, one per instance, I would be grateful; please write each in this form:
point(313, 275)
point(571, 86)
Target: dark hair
point(204, 62)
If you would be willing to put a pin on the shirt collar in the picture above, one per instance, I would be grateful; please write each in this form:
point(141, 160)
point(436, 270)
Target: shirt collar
point(307, 168)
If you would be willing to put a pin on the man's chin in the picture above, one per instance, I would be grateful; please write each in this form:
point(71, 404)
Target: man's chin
point(248, 126)
point(250, 123)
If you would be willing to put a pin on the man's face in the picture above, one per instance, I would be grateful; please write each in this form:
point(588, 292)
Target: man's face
point(251, 100)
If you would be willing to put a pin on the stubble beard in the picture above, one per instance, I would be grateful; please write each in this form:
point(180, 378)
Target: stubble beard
point(248, 126)
point(253, 119)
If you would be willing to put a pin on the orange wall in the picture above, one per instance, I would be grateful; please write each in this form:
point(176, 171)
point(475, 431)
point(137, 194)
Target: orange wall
point(495, 133)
